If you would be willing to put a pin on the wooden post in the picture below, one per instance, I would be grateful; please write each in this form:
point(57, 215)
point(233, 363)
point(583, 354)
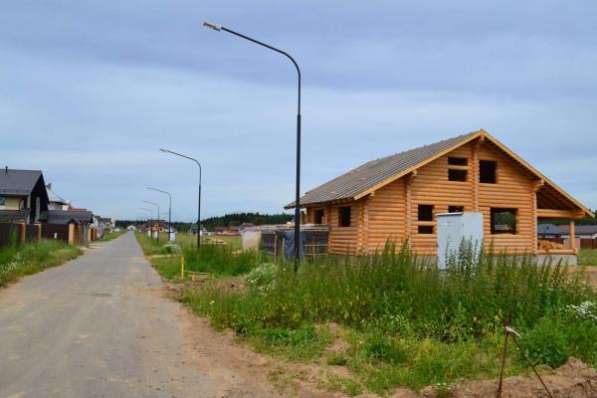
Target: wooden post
point(408, 207)
point(182, 268)
point(71, 234)
point(474, 166)
point(572, 234)
point(23, 233)
point(536, 187)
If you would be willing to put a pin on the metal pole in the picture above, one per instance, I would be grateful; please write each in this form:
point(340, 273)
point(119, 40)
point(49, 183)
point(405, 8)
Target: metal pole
point(297, 209)
point(158, 209)
point(199, 198)
point(169, 208)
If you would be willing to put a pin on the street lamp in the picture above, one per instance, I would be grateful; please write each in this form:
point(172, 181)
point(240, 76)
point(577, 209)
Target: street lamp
point(297, 210)
point(158, 209)
point(169, 209)
point(199, 196)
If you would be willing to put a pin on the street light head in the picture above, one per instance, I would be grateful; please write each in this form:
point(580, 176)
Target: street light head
point(164, 150)
point(213, 26)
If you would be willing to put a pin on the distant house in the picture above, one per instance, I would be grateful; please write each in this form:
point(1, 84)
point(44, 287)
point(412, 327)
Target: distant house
point(23, 196)
point(562, 231)
point(398, 198)
point(56, 202)
point(549, 231)
point(71, 225)
point(582, 231)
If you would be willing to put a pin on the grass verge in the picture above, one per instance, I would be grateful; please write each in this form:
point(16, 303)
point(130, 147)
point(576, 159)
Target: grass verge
point(17, 261)
point(392, 319)
point(112, 235)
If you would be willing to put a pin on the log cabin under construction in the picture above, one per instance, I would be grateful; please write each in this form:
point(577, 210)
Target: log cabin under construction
point(397, 198)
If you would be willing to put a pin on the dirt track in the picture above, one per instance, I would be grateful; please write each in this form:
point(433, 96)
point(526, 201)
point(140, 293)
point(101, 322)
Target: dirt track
point(100, 326)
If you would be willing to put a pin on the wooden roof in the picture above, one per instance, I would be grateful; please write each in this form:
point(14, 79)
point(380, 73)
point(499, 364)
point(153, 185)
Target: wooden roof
point(375, 174)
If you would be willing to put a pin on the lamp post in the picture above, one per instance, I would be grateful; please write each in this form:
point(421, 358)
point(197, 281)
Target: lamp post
point(158, 209)
point(297, 210)
point(169, 209)
point(199, 196)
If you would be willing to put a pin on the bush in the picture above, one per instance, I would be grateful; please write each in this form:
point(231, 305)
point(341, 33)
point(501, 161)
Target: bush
point(545, 344)
point(384, 348)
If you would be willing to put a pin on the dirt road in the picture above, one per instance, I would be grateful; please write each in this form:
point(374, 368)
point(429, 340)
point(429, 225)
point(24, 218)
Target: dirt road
point(100, 326)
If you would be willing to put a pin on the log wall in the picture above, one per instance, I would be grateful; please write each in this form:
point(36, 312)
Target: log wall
point(391, 213)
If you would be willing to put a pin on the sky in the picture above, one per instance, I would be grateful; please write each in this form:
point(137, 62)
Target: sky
point(90, 90)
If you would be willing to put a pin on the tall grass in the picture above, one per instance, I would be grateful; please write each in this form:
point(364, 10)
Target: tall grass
point(394, 290)
point(409, 323)
point(221, 259)
point(216, 259)
point(17, 260)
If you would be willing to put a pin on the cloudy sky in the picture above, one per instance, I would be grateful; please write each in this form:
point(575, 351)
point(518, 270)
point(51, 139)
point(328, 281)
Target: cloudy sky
point(89, 90)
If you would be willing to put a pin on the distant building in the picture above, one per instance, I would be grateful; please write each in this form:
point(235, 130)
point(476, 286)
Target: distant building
point(56, 202)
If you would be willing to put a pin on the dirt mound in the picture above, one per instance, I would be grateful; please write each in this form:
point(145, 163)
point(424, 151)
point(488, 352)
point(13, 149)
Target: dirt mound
point(573, 380)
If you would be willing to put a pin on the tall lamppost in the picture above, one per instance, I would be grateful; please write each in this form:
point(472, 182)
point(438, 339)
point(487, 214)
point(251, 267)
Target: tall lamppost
point(158, 209)
point(169, 209)
point(199, 196)
point(297, 209)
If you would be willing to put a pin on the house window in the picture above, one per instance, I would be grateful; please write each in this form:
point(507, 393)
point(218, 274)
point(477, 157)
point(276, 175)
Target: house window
point(457, 161)
point(2, 201)
point(503, 221)
point(455, 209)
point(425, 213)
point(487, 171)
point(319, 216)
point(457, 175)
point(344, 216)
point(425, 229)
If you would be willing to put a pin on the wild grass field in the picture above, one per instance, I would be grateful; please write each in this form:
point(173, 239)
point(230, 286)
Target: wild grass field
point(17, 261)
point(393, 320)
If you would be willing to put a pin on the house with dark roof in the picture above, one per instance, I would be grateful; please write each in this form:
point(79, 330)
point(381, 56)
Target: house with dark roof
point(23, 196)
point(397, 198)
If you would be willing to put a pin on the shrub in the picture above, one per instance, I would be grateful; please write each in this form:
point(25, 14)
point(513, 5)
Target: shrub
point(384, 348)
point(545, 344)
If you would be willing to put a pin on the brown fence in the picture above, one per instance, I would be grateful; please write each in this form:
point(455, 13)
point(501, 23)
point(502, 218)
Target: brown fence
point(33, 232)
point(10, 233)
point(55, 231)
point(588, 243)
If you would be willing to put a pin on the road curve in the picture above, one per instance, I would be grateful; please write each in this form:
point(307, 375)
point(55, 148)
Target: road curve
point(97, 326)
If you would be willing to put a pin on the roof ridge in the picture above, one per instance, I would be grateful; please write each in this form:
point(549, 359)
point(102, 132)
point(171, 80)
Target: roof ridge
point(349, 183)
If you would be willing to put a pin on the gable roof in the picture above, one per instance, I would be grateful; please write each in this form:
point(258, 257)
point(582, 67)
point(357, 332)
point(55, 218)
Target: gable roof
point(373, 175)
point(18, 182)
point(67, 216)
point(368, 175)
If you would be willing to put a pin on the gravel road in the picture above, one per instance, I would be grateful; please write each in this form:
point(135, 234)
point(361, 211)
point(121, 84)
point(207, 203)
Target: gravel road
point(97, 326)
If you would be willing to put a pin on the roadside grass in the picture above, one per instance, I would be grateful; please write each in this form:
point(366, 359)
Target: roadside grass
point(112, 235)
point(17, 261)
point(404, 322)
point(587, 257)
point(215, 259)
point(391, 318)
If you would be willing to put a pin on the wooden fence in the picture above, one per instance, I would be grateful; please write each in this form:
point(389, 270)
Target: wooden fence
point(10, 233)
point(588, 243)
point(54, 231)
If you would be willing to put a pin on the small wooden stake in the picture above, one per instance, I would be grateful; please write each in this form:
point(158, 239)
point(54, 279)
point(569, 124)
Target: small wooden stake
point(182, 268)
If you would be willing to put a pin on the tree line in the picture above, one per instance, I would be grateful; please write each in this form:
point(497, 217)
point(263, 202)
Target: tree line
point(227, 220)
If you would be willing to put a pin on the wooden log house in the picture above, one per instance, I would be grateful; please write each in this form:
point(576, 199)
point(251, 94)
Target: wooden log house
point(397, 198)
